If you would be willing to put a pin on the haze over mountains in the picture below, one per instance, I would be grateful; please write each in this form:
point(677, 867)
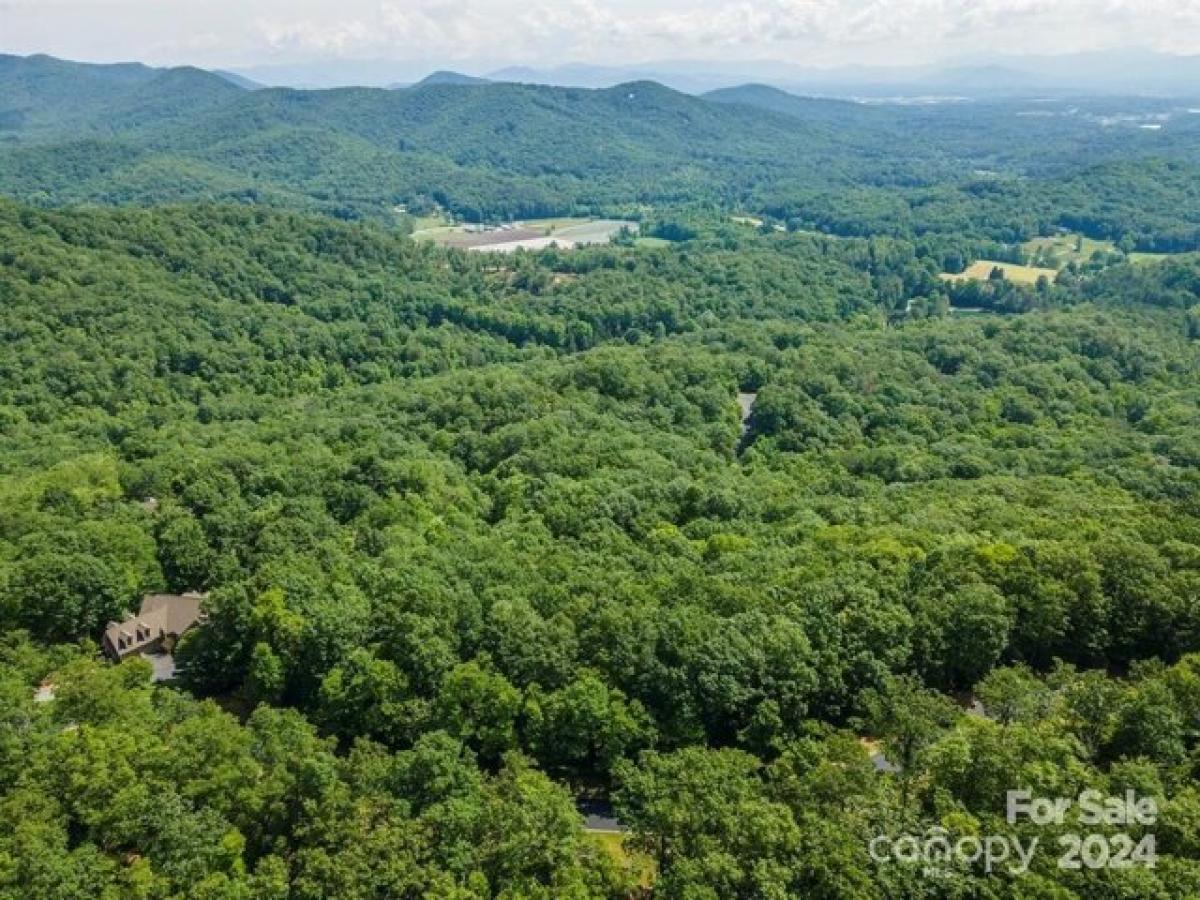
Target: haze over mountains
point(1108, 72)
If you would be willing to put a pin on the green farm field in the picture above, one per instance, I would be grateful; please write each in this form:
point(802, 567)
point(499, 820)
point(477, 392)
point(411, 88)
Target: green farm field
point(981, 270)
point(1059, 250)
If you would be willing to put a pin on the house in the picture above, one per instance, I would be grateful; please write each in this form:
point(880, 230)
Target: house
point(156, 628)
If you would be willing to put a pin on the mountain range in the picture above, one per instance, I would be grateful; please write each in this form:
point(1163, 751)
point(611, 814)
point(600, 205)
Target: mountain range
point(1129, 71)
point(84, 133)
point(131, 134)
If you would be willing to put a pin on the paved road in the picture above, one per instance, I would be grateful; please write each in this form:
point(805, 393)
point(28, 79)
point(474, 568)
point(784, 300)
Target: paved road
point(598, 816)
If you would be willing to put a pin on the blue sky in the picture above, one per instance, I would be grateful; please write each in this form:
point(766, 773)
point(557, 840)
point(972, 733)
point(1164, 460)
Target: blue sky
point(477, 34)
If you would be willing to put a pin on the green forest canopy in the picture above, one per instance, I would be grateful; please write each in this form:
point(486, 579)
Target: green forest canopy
point(482, 535)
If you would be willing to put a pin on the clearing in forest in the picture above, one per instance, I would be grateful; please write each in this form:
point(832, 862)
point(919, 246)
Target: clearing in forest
point(1057, 251)
point(982, 271)
point(534, 234)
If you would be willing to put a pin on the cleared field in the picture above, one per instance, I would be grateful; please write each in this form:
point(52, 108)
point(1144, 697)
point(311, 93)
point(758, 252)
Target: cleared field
point(1065, 248)
point(566, 237)
point(435, 232)
point(430, 227)
point(601, 231)
point(424, 223)
point(552, 225)
point(1144, 258)
point(441, 230)
point(534, 234)
point(526, 243)
point(471, 240)
point(982, 270)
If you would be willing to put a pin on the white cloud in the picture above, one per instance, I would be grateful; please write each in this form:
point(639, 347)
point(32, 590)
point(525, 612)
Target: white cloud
point(334, 39)
point(549, 31)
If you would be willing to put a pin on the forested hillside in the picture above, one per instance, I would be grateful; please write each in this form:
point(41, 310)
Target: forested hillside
point(45, 98)
point(1004, 171)
point(481, 538)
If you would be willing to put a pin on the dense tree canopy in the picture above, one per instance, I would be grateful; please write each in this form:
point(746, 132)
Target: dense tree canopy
point(485, 536)
point(460, 523)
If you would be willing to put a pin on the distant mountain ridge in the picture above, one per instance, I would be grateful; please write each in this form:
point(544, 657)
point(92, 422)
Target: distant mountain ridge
point(1100, 73)
point(1121, 72)
point(447, 77)
point(74, 133)
point(44, 95)
point(476, 148)
point(763, 96)
point(240, 80)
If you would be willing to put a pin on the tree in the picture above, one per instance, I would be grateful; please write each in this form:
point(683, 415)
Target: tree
point(183, 550)
point(364, 697)
point(908, 718)
point(1147, 724)
point(478, 706)
point(706, 818)
point(64, 596)
point(963, 634)
point(1012, 694)
point(265, 679)
point(586, 727)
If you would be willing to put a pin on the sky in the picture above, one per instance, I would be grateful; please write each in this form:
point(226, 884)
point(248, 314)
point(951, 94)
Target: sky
point(475, 35)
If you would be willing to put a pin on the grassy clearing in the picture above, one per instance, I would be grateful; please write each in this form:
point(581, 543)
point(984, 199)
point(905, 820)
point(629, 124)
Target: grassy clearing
point(426, 223)
point(431, 226)
point(982, 270)
point(1142, 259)
point(1065, 248)
point(651, 243)
point(590, 231)
point(1060, 250)
point(1070, 248)
point(552, 225)
point(438, 234)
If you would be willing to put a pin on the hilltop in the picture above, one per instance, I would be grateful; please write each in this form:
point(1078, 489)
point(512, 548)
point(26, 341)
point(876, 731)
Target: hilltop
point(445, 77)
point(43, 98)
